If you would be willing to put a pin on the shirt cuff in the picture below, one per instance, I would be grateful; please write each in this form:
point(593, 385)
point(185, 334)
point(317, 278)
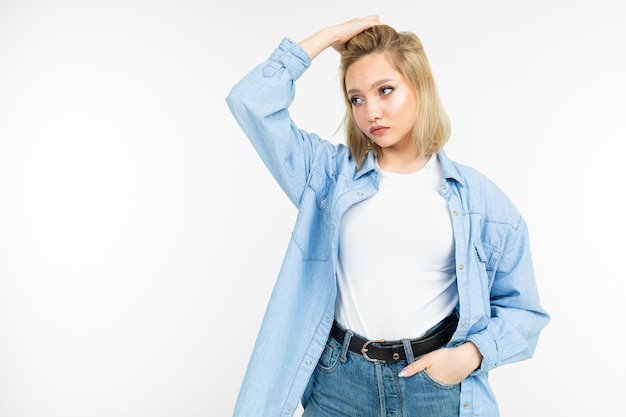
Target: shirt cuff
point(488, 349)
point(292, 57)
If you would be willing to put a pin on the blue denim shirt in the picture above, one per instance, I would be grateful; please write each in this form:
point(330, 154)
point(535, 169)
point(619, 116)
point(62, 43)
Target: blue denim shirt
point(498, 305)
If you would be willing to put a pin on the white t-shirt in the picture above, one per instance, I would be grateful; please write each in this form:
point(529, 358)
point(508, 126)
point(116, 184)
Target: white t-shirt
point(396, 270)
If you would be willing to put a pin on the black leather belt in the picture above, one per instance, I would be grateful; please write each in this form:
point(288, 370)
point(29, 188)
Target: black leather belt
point(380, 350)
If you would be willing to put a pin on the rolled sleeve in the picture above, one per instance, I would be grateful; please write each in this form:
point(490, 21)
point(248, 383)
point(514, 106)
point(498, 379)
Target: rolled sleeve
point(291, 56)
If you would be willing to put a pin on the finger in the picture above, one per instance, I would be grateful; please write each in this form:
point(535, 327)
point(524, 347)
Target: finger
point(374, 18)
point(412, 369)
point(352, 28)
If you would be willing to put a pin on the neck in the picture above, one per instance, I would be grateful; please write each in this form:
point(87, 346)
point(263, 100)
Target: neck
point(402, 163)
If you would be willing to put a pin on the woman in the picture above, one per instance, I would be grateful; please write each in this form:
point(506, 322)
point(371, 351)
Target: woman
point(408, 277)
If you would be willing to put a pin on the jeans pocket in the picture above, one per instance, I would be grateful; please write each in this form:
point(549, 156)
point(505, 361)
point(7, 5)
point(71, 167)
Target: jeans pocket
point(426, 377)
point(329, 361)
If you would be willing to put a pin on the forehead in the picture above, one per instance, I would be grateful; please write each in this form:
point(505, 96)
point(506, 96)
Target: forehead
point(369, 69)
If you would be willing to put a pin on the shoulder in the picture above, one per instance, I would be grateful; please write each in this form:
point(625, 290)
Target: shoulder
point(326, 152)
point(481, 193)
point(330, 159)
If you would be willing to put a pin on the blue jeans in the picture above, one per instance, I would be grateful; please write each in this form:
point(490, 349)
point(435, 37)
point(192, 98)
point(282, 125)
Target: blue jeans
point(345, 384)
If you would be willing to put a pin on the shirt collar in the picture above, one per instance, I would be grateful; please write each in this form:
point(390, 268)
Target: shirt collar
point(368, 165)
point(450, 171)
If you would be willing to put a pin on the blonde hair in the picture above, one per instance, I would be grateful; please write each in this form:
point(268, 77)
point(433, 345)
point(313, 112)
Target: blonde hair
point(406, 54)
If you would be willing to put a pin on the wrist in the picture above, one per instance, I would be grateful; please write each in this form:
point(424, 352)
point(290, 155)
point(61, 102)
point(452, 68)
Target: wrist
point(316, 43)
point(472, 355)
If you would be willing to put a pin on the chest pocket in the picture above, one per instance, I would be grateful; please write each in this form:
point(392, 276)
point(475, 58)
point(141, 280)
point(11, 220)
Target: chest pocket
point(313, 231)
point(488, 258)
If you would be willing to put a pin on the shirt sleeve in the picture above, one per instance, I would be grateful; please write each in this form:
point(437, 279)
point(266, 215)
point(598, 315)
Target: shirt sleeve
point(259, 103)
point(516, 314)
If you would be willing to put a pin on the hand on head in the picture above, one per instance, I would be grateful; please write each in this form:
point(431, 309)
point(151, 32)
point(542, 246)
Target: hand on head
point(336, 36)
point(347, 30)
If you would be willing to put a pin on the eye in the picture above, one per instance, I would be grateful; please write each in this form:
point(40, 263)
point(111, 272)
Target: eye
point(355, 100)
point(385, 90)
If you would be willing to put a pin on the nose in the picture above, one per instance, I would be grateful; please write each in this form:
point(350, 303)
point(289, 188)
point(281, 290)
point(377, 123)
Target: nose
point(373, 112)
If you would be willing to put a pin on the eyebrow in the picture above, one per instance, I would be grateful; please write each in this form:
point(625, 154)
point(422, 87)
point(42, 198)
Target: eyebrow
point(373, 86)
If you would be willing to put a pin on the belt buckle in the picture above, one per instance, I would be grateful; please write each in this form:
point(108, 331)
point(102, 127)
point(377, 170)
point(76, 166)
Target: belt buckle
point(364, 349)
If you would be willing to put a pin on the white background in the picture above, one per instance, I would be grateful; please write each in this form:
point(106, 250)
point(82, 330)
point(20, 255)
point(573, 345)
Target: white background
point(140, 235)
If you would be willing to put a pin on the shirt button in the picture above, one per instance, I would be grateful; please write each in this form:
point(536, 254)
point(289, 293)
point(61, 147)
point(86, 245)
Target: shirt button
point(444, 187)
point(456, 213)
point(287, 411)
point(461, 267)
point(323, 204)
point(359, 193)
point(464, 325)
point(308, 363)
point(466, 405)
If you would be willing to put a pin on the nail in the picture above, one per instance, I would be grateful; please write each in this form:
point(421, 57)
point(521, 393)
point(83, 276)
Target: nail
point(402, 373)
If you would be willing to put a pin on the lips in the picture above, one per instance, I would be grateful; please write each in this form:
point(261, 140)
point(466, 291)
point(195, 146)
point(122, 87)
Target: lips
point(378, 130)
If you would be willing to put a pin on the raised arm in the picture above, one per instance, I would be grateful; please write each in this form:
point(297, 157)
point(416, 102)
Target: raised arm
point(260, 103)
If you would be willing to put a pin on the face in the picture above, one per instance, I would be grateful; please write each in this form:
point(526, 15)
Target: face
point(384, 104)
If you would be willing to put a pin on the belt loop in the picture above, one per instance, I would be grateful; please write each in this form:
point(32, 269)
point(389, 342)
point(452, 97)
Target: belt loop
point(343, 355)
point(408, 350)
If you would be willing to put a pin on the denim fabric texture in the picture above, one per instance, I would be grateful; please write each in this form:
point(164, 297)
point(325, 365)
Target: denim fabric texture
point(499, 308)
point(345, 384)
